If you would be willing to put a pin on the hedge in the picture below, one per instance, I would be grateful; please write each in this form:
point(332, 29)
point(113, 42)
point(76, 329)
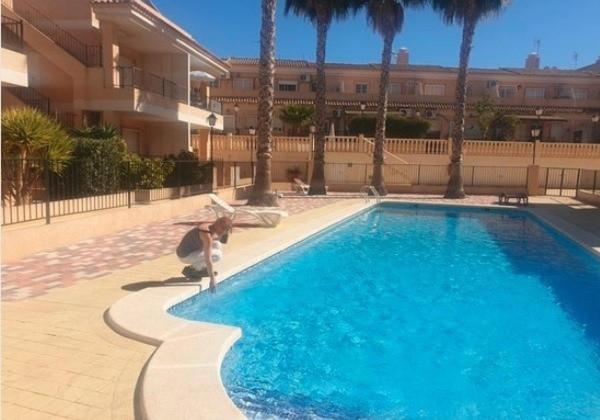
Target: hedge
point(411, 128)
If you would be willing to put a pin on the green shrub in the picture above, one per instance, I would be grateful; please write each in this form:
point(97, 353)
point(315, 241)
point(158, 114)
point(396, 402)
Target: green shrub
point(187, 170)
point(97, 132)
point(411, 128)
point(29, 137)
point(297, 117)
point(147, 173)
point(96, 166)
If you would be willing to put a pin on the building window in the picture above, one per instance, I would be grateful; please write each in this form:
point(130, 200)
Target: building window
point(580, 93)
point(287, 86)
point(395, 89)
point(507, 91)
point(563, 92)
point(362, 88)
point(535, 92)
point(91, 118)
point(435, 90)
point(335, 86)
point(243, 84)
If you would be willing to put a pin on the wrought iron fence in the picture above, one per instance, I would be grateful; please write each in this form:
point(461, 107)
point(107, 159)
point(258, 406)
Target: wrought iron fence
point(89, 55)
point(560, 181)
point(131, 76)
point(35, 189)
point(12, 34)
point(589, 181)
point(358, 174)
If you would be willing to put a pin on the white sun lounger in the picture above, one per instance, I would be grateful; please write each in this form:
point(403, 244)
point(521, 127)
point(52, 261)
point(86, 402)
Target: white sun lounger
point(269, 216)
point(302, 188)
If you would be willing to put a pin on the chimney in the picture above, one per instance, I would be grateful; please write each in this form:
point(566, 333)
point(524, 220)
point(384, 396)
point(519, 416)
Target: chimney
point(532, 62)
point(402, 58)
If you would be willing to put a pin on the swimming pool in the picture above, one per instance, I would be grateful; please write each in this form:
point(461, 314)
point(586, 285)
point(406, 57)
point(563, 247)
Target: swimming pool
point(404, 312)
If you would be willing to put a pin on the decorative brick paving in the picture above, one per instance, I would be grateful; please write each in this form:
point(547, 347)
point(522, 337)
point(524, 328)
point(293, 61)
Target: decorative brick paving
point(93, 258)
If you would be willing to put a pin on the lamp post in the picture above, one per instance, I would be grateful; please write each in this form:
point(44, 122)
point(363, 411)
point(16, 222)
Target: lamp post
point(236, 109)
point(363, 106)
point(536, 131)
point(212, 120)
point(539, 112)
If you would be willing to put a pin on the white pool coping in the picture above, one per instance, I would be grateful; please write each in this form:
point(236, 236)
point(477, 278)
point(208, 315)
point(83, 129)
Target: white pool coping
point(182, 378)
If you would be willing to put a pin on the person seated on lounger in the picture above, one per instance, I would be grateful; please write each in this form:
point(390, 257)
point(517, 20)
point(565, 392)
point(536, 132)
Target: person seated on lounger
point(201, 246)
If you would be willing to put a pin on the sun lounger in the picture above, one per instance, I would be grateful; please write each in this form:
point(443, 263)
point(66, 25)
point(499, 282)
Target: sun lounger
point(301, 187)
point(269, 216)
point(520, 198)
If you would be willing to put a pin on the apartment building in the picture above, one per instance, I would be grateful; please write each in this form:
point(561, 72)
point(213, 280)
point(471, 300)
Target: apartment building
point(564, 103)
point(110, 61)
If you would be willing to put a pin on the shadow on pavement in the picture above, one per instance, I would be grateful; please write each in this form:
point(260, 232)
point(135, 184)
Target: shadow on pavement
point(173, 281)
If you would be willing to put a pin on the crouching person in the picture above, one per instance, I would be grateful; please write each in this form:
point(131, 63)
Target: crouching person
point(201, 246)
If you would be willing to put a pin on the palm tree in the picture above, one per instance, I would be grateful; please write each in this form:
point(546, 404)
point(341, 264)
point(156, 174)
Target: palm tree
point(321, 13)
point(468, 13)
point(30, 140)
point(386, 17)
point(261, 193)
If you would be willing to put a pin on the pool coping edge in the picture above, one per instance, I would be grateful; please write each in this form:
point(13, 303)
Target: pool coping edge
point(143, 316)
point(194, 389)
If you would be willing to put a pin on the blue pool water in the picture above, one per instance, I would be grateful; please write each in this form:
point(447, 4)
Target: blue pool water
point(405, 312)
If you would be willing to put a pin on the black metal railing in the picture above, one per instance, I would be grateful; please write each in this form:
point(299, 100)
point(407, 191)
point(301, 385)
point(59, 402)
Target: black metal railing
point(350, 174)
point(31, 97)
point(560, 181)
point(89, 55)
point(37, 189)
point(131, 76)
point(34, 99)
point(12, 34)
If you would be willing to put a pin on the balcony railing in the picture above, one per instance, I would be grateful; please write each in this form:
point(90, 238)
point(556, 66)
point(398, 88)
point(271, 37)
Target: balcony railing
point(202, 102)
point(89, 55)
point(12, 34)
point(34, 99)
point(131, 76)
point(31, 97)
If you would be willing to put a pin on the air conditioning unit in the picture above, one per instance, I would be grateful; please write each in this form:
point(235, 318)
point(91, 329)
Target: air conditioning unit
point(430, 114)
point(305, 77)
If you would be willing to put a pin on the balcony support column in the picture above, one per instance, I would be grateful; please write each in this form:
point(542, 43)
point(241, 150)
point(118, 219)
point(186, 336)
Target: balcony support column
point(110, 53)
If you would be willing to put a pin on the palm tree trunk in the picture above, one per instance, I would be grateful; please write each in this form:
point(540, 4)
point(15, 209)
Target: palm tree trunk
point(317, 181)
point(455, 183)
point(21, 170)
point(261, 193)
point(384, 83)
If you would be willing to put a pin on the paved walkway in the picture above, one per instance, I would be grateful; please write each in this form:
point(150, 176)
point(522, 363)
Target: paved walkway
point(97, 257)
point(60, 359)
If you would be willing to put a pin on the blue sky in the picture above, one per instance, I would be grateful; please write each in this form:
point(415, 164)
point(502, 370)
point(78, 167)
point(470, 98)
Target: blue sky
point(230, 28)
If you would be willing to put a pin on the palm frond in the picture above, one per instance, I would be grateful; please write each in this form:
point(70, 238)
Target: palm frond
point(333, 9)
point(455, 11)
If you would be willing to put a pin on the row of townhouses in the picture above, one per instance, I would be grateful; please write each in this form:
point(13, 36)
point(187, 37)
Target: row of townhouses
point(122, 62)
point(565, 103)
